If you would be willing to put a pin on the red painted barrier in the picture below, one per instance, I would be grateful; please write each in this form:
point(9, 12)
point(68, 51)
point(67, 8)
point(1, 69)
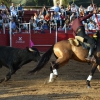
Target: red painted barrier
point(43, 38)
point(4, 39)
point(42, 41)
point(20, 40)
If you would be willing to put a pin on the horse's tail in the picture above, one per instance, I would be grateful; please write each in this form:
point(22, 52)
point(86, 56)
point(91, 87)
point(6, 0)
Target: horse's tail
point(43, 61)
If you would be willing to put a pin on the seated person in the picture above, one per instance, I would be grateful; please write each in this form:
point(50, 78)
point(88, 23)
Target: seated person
point(47, 18)
point(91, 25)
point(3, 7)
point(57, 18)
point(13, 25)
point(45, 26)
point(1, 22)
point(57, 8)
point(3, 14)
point(20, 10)
point(25, 26)
point(5, 24)
point(62, 16)
point(60, 28)
point(14, 13)
point(12, 5)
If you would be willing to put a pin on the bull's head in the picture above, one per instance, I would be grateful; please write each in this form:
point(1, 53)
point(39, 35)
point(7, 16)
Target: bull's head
point(35, 53)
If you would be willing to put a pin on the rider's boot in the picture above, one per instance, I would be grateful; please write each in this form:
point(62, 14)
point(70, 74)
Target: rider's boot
point(91, 58)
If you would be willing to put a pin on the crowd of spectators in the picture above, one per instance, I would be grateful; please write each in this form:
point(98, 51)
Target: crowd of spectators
point(47, 18)
point(10, 15)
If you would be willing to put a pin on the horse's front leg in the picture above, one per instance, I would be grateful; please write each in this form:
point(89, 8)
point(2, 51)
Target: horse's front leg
point(94, 67)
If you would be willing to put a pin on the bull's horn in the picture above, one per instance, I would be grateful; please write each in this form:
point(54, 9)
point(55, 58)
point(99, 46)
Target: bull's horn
point(31, 49)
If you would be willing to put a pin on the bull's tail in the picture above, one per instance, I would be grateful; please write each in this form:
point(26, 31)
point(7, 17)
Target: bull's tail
point(43, 61)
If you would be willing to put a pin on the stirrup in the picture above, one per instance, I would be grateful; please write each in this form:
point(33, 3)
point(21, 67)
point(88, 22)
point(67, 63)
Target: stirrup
point(91, 59)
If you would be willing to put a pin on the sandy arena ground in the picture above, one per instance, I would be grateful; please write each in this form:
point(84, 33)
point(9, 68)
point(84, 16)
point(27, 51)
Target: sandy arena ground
point(70, 84)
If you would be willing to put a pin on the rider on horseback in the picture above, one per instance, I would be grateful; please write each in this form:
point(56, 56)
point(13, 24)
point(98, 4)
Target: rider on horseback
point(79, 32)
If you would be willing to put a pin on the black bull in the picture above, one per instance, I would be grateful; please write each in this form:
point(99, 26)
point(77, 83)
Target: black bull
point(15, 58)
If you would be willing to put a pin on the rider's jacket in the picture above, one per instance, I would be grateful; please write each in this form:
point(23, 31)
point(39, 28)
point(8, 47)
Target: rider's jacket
point(78, 22)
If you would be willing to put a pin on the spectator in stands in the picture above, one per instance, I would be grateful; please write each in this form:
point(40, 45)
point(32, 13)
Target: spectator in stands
point(47, 18)
point(35, 27)
point(5, 24)
point(36, 18)
point(86, 28)
point(12, 5)
point(74, 9)
point(91, 25)
point(8, 16)
point(40, 25)
point(14, 13)
point(81, 11)
point(89, 8)
point(3, 7)
point(57, 18)
point(66, 25)
point(57, 8)
point(20, 10)
point(1, 22)
point(45, 26)
point(60, 28)
point(72, 15)
point(62, 9)
point(13, 25)
point(44, 10)
point(52, 16)
point(31, 21)
point(62, 16)
point(3, 15)
point(95, 8)
point(52, 25)
point(25, 26)
point(68, 10)
point(41, 17)
point(18, 22)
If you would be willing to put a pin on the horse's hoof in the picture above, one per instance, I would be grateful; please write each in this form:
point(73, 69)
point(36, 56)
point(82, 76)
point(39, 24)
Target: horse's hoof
point(48, 82)
point(88, 87)
point(51, 81)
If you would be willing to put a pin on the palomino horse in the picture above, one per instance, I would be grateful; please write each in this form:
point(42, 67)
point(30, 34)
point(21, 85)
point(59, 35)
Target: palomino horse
point(64, 51)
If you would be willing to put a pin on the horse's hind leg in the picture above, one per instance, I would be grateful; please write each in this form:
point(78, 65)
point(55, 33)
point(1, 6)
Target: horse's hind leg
point(51, 79)
point(53, 71)
point(56, 65)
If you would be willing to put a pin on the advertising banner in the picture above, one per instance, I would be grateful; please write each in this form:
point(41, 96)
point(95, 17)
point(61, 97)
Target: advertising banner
point(21, 40)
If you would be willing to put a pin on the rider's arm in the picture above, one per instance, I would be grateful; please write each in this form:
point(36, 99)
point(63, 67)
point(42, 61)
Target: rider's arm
point(85, 17)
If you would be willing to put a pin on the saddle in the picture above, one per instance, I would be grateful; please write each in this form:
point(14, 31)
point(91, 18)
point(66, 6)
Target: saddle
point(77, 43)
point(73, 41)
